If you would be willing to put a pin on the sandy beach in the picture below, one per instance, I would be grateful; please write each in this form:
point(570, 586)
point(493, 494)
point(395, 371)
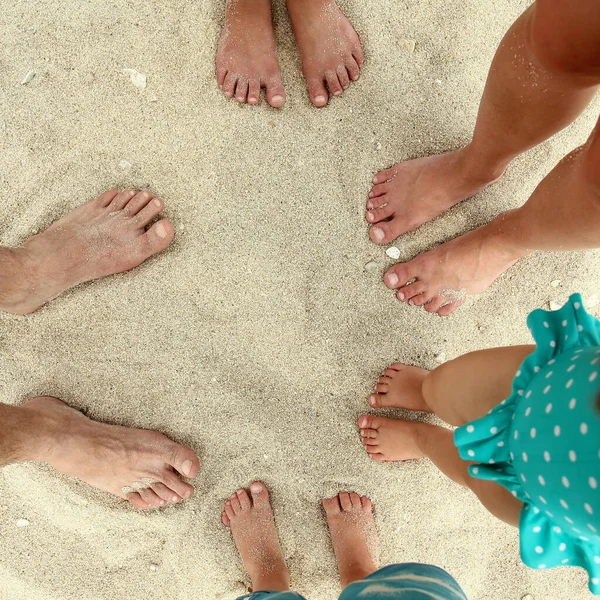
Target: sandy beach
point(257, 336)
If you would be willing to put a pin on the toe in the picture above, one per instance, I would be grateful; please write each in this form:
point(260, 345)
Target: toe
point(376, 456)
point(332, 505)
point(229, 511)
point(370, 422)
point(162, 491)
point(105, 199)
point(377, 201)
point(275, 93)
point(383, 233)
point(352, 68)
point(395, 367)
point(317, 92)
point(375, 400)
point(135, 500)
point(355, 499)
point(253, 91)
point(408, 291)
point(379, 189)
point(149, 212)
point(157, 238)
point(229, 84)
point(179, 487)
point(221, 72)
point(385, 175)
point(358, 54)
point(434, 304)
point(244, 499)
point(345, 501)
point(241, 90)
point(225, 519)
point(397, 276)
point(259, 493)
point(369, 435)
point(420, 299)
point(366, 503)
point(342, 76)
point(379, 214)
point(184, 460)
point(121, 199)
point(382, 388)
point(235, 504)
point(385, 378)
point(333, 83)
point(138, 202)
point(448, 309)
point(151, 498)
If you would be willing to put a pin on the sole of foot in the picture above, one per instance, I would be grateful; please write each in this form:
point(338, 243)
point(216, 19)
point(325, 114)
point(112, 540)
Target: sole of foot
point(441, 279)
point(409, 194)
point(353, 535)
point(247, 57)
point(110, 457)
point(250, 518)
point(400, 386)
point(110, 234)
point(390, 439)
point(329, 47)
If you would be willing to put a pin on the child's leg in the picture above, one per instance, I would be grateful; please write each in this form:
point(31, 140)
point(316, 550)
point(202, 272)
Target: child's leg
point(459, 391)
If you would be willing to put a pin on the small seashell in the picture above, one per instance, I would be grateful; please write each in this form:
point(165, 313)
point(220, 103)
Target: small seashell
point(378, 146)
point(408, 45)
point(125, 165)
point(555, 283)
point(527, 597)
point(440, 358)
point(371, 266)
point(482, 329)
point(592, 301)
point(22, 523)
point(554, 305)
point(154, 567)
point(30, 75)
point(437, 81)
point(138, 79)
point(393, 252)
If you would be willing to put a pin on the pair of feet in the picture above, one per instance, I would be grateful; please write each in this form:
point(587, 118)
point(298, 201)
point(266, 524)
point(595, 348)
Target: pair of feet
point(351, 525)
point(247, 57)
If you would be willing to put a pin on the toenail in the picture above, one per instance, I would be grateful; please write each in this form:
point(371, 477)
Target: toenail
point(145, 195)
point(188, 494)
point(256, 488)
point(370, 194)
point(131, 192)
point(378, 234)
point(372, 400)
point(186, 467)
point(337, 93)
point(411, 302)
point(392, 280)
point(370, 216)
point(370, 205)
point(174, 499)
point(161, 232)
point(156, 202)
point(400, 296)
point(320, 99)
point(277, 98)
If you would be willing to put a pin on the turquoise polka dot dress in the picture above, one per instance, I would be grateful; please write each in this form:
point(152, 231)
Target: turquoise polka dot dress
point(543, 442)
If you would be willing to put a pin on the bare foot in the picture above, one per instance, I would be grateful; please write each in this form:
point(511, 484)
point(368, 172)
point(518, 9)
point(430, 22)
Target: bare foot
point(353, 535)
point(111, 458)
point(390, 439)
point(400, 386)
point(104, 236)
point(444, 276)
point(253, 528)
point(329, 47)
point(247, 58)
point(411, 193)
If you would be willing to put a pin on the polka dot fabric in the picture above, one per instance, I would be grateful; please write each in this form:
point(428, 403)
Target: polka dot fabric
point(543, 442)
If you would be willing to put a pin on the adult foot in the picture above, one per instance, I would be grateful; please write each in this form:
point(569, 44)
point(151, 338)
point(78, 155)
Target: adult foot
point(329, 47)
point(133, 464)
point(400, 386)
point(390, 439)
point(353, 535)
point(106, 235)
point(247, 58)
point(253, 528)
point(411, 193)
point(441, 279)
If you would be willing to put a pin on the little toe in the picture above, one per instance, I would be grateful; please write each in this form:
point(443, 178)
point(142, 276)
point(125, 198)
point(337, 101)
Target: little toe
point(333, 83)
point(379, 214)
point(135, 500)
point(138, 202)
point(225, 519)
point(244, 499)
point(121, 199)
point(317, 92)
point(342, 75)
point(259, 493)
point(382, 388)
point(395, 367)
point(275, 93)
point(241, 90)
point(332, 505)
point(229, 84)
point(253, 91)
point(352, 68)
point(149, 212)
point(162, 491)
point(448, 309)
point(408, 291)
point(355, 499)
point(151, 498)
point(229, 511)
point(345, 501)
point(377, 456)
point(106, 198)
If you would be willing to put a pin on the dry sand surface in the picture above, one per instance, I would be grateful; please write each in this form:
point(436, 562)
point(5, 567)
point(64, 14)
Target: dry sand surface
point(256, 337)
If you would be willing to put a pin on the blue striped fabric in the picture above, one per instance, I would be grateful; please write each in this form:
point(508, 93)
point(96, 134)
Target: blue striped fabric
point(408, 581)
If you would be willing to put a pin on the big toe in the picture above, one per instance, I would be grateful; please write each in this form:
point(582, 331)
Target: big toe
point(259, 493)
point(185, 461)
point(157, 238)
point(317, 91)
point(275, 93)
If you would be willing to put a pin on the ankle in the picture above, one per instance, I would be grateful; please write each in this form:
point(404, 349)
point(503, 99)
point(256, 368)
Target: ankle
point(278, 581)
point(503, 234)
point(19, 277)
point(479, 167)
point(356, 573)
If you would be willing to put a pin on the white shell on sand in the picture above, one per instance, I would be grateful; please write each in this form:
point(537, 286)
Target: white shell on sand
point(408, 45)
point(125, 165)
point(378, 146)
point(138, 79)
point(440, 358)
point(393, 252)
point(527, 597)
point(154, 567)
point(22, 523)
point(592, 301)
point(555, 283)
point(30, 75)
point(371, 266)
point(554, 305)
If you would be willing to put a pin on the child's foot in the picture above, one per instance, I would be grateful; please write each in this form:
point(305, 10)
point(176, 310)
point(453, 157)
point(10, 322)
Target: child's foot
point(444, 276)
point(247, 58)
point(104, 236)
point(329, 47)
point(353, 535)
point(411, 193)
point(253, 528)
point(109, 457)
point(390, 439)
point(400, 387)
